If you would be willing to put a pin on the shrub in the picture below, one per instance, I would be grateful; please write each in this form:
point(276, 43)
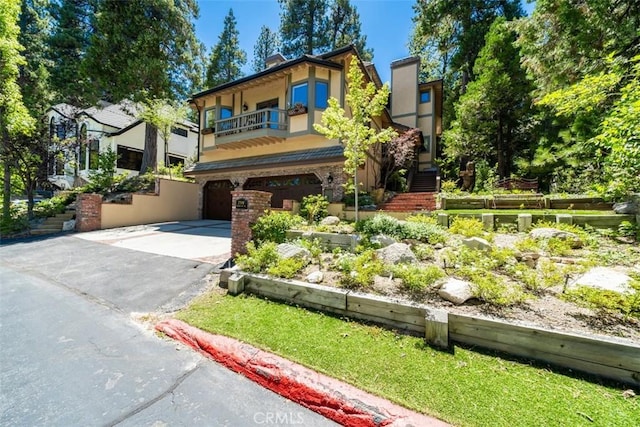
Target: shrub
point(380, 224)
point(417, 279)
point(52, 206)
point(273, 226)
point(258, 260)
point(139, 183)
point(359, 271)
point(469, 227)
point(287, 268)
point(607, 303)
point(422, 218)
point(364, 199)
point(492, 289)
point(314, 208)
point(423, 252)
point(449, 186)
point(424, 232)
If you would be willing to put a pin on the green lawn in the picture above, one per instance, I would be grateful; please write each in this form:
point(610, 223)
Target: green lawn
point(464, 387)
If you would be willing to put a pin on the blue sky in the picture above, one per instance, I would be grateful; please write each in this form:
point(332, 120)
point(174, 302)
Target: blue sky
point(386, 23)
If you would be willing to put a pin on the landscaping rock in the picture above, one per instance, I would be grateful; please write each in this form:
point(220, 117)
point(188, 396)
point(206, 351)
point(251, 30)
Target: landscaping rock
point(69, 225)
point(397, 253)
point(554, 233)
point(315, 277)
point(382, 240)
point(438, 246)
point(330, 220)
point(626, 207)
point(477, 243)
point(606, 279)
point(455, 290)
point(287, 250)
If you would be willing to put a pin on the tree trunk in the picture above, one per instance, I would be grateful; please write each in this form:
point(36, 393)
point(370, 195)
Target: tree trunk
point(150, 155)
point(500, 151)
point(6, 194)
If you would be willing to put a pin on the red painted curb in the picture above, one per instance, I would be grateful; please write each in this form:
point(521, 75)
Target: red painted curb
point(327, 396)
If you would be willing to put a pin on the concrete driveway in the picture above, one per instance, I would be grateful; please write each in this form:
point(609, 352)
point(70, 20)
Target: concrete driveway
point(202, 240)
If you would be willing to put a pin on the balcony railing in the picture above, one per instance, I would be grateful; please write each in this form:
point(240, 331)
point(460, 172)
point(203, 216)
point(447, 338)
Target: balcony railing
point(268, 118)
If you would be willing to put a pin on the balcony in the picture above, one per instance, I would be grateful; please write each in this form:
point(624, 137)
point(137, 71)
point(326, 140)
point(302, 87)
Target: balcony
point(262, 127)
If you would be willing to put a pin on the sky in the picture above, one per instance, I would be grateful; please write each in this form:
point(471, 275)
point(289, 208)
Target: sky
point(386, 23)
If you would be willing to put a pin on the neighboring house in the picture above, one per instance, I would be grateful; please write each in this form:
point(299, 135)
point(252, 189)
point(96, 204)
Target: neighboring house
point(257, 132)
point(79, 135)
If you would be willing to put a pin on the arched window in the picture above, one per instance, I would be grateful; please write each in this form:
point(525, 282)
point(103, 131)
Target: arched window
point(52, 128)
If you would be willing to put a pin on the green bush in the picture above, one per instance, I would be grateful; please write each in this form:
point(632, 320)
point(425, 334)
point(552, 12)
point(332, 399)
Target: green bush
point(364, 199)
point(258, 259)
point(469, 227)
point(358, 271)
point(423, 252)
point(380, 224)
point(607, 303)
point(449, 186)
point(417, 279)
point(139, 183)
point(424, 232)
point(273, 226)
point(314, 208)
point(287, 268)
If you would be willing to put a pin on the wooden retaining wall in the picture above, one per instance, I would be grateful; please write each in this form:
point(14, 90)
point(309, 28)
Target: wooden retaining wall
point(528, 201)
point(614, 359)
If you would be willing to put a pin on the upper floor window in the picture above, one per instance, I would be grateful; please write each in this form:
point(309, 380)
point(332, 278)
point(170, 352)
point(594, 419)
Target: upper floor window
point(209, 118)
point(322, 94)
point(225, 112)
point(300, 94)
point(425, 96)
point(179, 131)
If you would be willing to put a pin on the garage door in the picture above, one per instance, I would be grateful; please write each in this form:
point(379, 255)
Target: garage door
point(291, 187)
point(217, 200)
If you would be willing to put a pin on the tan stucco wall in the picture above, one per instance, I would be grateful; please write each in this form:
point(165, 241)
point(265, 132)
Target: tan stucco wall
point(404, 80)
point(176, 201)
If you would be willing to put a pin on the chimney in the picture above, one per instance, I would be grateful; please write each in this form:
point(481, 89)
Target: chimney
point(274, 60)
point(404, 91)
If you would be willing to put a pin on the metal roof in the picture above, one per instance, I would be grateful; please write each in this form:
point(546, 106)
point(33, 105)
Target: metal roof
point(304, 156)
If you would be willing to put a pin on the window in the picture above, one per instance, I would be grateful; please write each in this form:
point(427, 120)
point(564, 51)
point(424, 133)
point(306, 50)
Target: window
point(94, 150)
point(226, 112)
point(426, 146)
point(322, 94)
point(179, 131)
point(174, 161)
point(52, 128)
point(300, 94)
point(128, 158)
point(425, 96)
point(209, 118)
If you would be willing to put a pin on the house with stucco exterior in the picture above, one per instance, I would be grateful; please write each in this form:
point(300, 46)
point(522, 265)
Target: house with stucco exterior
point(79, 135)
point(256, 133)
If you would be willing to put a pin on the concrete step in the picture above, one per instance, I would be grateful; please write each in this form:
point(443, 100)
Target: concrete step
point(40, 231)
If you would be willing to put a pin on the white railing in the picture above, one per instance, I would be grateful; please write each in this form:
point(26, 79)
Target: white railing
point(269, 118)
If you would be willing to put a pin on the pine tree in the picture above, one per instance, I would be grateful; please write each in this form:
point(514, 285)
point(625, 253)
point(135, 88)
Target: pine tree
point(267, 44)
point(344, 28)
point(144, 49)
point(74, 22)
point(304, 27)
point(492, 113)
point(226, 58)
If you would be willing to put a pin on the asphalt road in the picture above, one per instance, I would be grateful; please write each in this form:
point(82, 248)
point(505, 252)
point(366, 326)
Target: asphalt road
point(71, 353)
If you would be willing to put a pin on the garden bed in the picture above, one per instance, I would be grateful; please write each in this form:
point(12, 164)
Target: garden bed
point(518, 280)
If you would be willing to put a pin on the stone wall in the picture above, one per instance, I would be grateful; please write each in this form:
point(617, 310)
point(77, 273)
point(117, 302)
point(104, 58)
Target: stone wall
point(247, 206)
point(88, 212)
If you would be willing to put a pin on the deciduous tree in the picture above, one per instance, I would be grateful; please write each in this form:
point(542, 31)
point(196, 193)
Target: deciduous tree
point(354, 129)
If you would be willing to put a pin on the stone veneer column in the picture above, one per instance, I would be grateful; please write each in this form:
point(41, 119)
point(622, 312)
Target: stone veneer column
point(242, 219)
point(88, 212)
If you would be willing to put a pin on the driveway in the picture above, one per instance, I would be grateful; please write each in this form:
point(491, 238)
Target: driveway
point(206, 241)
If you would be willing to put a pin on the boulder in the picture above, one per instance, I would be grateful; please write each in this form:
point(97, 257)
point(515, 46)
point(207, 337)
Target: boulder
point(553, 233)
point(477, 243)
point(397, 253)
point(287, 250)
point(606, 279)
point(69, 225)
point(315, 277)
point(330, 220)
point(457, 291)
point(627, 207)
point(382, 240)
